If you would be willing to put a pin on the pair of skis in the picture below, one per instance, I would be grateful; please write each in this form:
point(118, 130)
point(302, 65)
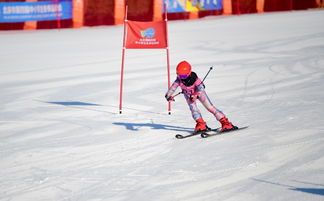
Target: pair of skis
point(209, 133)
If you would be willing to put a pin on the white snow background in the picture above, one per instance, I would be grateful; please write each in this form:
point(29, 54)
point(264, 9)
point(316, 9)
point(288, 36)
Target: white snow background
point(62, 137)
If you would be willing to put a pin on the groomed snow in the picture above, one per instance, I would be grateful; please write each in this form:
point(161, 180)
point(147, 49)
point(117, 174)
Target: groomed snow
point(62, 137)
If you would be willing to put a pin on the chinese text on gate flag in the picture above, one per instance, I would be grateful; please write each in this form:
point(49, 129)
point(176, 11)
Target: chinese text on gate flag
point(146, 35)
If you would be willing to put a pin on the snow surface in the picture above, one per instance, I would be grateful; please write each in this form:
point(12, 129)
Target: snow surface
point(62, 137)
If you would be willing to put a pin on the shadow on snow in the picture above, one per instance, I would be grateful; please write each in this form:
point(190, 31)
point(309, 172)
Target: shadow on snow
point(73, 103)
point(129, 126)
point(316, 191)
point(136, 126)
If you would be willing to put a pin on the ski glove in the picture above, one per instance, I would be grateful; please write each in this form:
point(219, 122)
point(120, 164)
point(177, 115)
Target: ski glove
point(169, 98)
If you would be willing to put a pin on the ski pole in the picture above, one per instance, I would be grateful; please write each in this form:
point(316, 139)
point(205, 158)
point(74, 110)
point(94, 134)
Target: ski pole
point(177, 94)
point(211, 68)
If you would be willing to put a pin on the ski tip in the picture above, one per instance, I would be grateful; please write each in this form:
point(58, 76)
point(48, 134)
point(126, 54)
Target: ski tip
point(179, 136)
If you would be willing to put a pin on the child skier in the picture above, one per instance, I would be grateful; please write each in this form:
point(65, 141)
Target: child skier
point(193, 89)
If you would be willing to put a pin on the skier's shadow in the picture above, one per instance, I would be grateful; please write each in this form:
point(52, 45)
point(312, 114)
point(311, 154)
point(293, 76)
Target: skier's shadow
point(136, 126)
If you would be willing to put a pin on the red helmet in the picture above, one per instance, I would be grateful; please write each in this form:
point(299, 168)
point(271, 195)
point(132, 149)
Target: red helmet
point(183, 69)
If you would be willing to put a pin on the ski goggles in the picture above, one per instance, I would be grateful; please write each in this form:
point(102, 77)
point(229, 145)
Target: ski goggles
point(183, 76)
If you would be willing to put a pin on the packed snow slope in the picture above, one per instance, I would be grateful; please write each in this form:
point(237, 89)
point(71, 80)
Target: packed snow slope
point(62, 137)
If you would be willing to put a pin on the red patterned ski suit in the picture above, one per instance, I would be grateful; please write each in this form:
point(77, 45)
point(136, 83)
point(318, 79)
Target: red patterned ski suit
point(196, 89)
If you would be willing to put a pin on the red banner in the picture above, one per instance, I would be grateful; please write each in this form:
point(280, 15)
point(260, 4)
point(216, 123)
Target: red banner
point(146, 35)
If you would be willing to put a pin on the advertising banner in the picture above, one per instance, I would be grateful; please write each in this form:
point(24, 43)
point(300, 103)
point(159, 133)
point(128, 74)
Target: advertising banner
point(35, 11)
point(174, 6)
point(146, 35)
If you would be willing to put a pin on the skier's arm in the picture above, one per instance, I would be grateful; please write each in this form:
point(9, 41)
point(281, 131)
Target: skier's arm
point(172, 89)
point(200, 86)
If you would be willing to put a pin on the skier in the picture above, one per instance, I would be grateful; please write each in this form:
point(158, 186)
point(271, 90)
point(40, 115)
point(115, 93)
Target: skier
point(193, 89)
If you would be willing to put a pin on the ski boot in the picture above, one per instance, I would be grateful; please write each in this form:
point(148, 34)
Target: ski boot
point(227, 125)
point(201, 126)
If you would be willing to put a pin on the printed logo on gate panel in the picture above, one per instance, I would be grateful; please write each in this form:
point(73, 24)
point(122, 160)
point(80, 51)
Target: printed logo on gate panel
point(148, 33)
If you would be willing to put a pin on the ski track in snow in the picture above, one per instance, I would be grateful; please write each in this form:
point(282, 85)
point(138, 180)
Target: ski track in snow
point(62, 138)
